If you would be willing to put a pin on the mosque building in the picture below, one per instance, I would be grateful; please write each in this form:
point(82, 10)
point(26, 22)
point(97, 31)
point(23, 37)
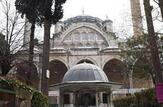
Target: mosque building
point(85, 63)
point(86, 66)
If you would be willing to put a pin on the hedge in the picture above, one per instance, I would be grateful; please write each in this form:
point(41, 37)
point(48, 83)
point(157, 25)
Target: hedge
point(145, 98)
point(38, 99)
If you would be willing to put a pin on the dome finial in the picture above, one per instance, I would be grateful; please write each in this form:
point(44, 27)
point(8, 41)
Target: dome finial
point(83, 11)
point(107, 17)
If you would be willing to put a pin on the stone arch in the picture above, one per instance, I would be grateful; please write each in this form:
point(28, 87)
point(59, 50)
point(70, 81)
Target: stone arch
point(57, 71)
point(15, 62)
point(89, 25)
point(85, 60)
point(115, 71)
point(107, 59)
point(59, 59)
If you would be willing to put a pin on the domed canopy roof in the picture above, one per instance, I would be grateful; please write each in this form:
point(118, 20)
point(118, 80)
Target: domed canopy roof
point(79, 19)
point(85, 73)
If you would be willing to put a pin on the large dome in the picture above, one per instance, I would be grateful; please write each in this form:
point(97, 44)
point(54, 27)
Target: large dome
point(79, 19)
point(85, 73)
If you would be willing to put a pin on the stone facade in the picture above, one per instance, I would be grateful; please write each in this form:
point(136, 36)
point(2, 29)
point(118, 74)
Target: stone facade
point(84, 38)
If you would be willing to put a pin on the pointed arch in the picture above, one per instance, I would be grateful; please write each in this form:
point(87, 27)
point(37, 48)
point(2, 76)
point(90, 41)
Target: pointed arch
point(57, 71)
point(89, 60)
point(85, 60)
point(115, 71)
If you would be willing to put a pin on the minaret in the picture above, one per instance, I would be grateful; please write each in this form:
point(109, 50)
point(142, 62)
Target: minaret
point(136, 18)
point(27, 33)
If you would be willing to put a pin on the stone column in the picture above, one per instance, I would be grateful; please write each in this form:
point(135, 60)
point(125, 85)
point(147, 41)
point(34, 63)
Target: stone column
point(75, 99)
point(97, 99)
point(111, 100)
point(72, 102)
point(100, 99)
point(108, 100)
point(60, 100)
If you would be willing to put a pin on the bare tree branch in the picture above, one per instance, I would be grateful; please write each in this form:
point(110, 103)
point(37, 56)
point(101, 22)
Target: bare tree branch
point(12, 27)
point(156, 1)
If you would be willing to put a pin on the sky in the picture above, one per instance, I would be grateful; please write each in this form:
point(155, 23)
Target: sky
point(98, 8)
point(116, 10)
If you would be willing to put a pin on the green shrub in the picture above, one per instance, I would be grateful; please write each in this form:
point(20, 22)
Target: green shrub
point(124, 102)
point(145, 98)
point(39, 100)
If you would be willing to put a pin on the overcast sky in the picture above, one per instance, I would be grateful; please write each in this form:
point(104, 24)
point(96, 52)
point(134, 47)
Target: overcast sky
point(97, 8)
point(116, 10)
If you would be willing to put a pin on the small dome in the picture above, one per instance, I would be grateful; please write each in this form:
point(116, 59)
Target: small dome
point(85, 72)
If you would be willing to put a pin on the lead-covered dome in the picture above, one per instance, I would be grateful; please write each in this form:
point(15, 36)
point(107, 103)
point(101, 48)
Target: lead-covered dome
point(79, 19)
point(85, 73)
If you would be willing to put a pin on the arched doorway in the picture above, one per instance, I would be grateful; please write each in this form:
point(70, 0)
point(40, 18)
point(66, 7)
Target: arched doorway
point(57, 71)
point(85, 60)
point(115, 71)
point(85, 99)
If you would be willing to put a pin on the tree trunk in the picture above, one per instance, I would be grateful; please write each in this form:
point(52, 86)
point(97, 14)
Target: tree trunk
point(152, 38)
point(31, 43)
point(45, 58)
point(161, 7)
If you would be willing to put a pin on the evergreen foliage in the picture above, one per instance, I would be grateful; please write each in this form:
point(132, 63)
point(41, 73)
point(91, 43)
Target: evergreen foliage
point(39, 100)
point(5, 56)
point(39, 10)
point(50, 15)
point(45, 12)
point(29, 8)
point(145, 98)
